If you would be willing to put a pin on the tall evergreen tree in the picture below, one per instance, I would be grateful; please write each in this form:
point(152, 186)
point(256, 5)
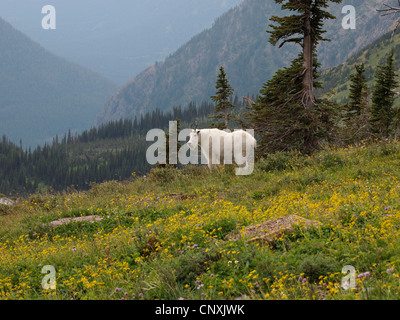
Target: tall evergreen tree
point(383, 98)
point(287, 115)
point(222, 100)
point(305, 29)
point(358, 91)
point(358, 113)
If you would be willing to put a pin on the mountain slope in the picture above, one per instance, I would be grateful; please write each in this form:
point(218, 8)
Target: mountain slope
point(42, 95)
point(117, 40)
point(337, 79)
point(237, 41)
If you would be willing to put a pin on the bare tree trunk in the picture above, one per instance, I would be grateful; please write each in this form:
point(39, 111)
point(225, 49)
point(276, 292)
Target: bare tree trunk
point(308, 97)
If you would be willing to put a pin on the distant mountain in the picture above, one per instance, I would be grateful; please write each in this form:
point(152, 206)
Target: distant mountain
point(117, 39)
point(238, 41)
point(336, 80)
point(41, 94)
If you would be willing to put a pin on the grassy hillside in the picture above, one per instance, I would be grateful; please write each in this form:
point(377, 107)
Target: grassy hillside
point(337, 79)
point(164, 236)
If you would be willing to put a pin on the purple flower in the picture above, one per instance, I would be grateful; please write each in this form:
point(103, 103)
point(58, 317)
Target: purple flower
point(117, 289)
point(212, 275)
point(388, 208)
point(195, 245)
point(200, 286)
point(302, 280)
point(366, 274)
point(141, 295)
point(197, 281)
point(180, 298)
point(390, 270)
point(73, 248)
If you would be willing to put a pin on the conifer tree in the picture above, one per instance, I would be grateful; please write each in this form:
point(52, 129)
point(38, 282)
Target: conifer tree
point(222, 100)
point(358, 91)
point(358, 113)
point(287, 115)
point(305, 29)
point(383, 98)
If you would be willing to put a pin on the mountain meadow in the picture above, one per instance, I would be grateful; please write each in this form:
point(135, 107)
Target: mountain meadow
point(182, 233)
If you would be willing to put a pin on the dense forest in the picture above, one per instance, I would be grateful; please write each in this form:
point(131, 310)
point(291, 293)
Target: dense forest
point(113, 151)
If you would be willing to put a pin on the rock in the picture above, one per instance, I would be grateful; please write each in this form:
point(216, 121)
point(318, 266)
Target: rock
point(7, 202)
point(181, 196)
point(63, 221)
point(269, 231)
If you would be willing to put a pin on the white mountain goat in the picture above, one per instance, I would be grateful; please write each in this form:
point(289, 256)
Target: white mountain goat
point(224, 147)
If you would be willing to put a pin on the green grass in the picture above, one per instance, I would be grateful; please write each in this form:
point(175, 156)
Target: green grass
point(164, 236)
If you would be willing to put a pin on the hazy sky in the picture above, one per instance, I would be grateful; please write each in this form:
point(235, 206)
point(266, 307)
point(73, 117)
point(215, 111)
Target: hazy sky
point(117, 38)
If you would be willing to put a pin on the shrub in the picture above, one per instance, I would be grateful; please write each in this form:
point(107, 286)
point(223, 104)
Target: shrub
point(258, 195)
point(151, 245)
point(193, 170)
point(278, 161)
point(4, 210)
point(318, 265)
point(330, 159)
point(164, 175)
point(192, 264)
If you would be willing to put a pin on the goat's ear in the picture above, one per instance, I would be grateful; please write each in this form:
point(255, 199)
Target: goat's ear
point(197, 131)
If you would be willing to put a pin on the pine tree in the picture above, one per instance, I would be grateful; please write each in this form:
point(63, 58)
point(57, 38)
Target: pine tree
point(222, 100)
point(287, 115)
point(383, 98)
point(358, 91)
point(305, 29)
point(358, 112)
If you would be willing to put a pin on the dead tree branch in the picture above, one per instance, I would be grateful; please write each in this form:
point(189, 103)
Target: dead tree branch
point(391, 10)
